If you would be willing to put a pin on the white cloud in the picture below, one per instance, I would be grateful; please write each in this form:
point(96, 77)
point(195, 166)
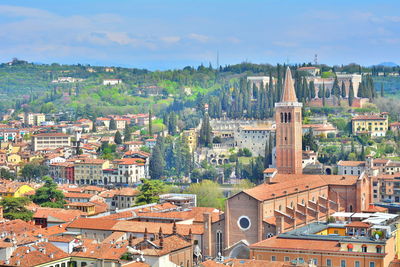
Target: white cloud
point(170, 39)
point(18, 11)
point(199, 37)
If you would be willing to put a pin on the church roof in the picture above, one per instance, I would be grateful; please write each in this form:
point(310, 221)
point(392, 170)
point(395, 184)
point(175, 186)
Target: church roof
point(289, 94)
point(286, 184)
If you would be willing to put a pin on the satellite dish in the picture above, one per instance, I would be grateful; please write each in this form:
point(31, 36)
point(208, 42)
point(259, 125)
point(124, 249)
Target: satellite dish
point(377, 236)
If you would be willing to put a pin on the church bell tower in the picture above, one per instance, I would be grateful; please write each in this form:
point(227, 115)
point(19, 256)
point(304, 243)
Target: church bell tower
point(288, 130)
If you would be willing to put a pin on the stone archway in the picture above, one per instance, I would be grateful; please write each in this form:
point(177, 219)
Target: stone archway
point(241, 251)
point(328, 170)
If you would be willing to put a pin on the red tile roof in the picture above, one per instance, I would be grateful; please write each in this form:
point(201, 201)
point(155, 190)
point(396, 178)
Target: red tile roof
point(297, 244)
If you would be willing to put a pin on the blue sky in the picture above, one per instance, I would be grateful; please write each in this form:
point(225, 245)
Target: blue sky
point(173, 34)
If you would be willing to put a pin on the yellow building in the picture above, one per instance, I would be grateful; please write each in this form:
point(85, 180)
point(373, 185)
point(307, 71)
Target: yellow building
point(14, 158)
point(15, 189)
point(374, 125)
point(191, 138)
point(90, 171)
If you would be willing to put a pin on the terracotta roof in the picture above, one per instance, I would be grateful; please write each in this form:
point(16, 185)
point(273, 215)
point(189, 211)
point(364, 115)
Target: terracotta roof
point(42, 253)
point(368, 117)
point(139, 227)
point(130, 161)
point(90, 161)
point(78, 195)
point(60, 214)
point(93, 223)
point(357, 224)
point(51, 134)
point(350, 163)
point(297, 244)
point(127, 191)
point(270, 170)
point(373, 208)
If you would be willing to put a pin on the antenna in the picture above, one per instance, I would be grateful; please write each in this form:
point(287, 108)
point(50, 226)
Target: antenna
point(316, 59)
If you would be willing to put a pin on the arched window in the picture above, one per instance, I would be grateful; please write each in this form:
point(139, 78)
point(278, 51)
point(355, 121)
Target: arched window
point(280, 207)
point(289, 117)
point(285, 117)
point(351, 208)
point(291, 204)
point(302, 201)
point(281, 117)
point(218, 242)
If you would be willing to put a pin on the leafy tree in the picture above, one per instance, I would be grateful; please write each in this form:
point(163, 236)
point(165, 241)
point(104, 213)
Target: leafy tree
point(309, 141)
point(351, 94)
point(242, 185)
point(209, 194)
point(33, 171)
point(156, 164)
point(113, 124)
point(48, 195)
point(118, 138)
point(127, 133)
point(94, 129)
point(14, 208)
point(149, 191)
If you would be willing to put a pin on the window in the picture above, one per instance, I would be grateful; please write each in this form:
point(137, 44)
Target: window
point(218, 243)
point(315, 261)
point(273, 258)
point(378, 249)
point(371, 264)
point(343, 263)
point(328, 262)
point(244, 222)
point(364, 248)
point(356, 264)
point(287, 259)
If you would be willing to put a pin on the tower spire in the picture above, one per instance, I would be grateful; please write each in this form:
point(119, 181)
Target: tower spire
point(289, 94)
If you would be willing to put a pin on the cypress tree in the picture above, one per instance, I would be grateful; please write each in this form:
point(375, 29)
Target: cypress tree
point(127, 133)
point(118, 138)
point(351, 94)
point(150, 123)
point(113, 125)
point(312, 89)
point(156, 163)
point(343, 90)
point(382, 91)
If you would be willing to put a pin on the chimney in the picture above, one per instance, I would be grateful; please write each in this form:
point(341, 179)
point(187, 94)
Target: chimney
point(160, 233)
point(174, 228)
point(145, 234)
point(161, 241)
point(190, 235)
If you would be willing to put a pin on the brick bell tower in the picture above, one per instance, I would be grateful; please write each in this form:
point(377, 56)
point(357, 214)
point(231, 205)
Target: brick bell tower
point(288, 130)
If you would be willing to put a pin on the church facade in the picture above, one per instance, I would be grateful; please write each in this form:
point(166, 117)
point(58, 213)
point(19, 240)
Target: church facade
point(289, 199)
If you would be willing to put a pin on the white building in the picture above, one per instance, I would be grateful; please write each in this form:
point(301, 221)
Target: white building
point(112, 81)
point(254, 138)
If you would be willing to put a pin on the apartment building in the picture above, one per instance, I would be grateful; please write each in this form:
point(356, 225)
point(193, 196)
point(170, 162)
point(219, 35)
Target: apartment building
point(50, 140)
point(90, 171)
point(128, 171)
point(34, 119)
point(374, 125)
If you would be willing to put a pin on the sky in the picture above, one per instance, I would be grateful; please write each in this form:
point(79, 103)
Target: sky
point(171, 34)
